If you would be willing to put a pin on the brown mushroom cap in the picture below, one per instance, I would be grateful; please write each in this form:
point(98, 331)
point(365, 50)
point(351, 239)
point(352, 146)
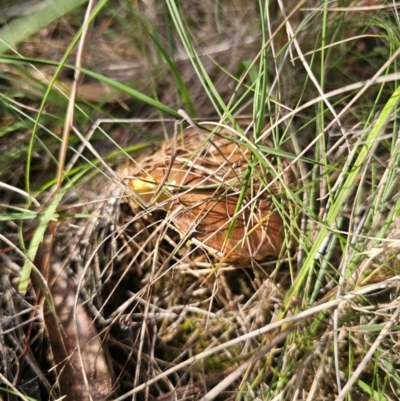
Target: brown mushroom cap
point(257, 234)
point(202, 182)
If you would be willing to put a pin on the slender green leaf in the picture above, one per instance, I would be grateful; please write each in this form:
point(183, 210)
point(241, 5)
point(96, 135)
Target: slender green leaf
point(41, 14)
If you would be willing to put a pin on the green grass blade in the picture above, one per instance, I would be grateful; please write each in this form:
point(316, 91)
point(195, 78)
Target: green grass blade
point(362, 151)
point(37, 239)
point(41, 15)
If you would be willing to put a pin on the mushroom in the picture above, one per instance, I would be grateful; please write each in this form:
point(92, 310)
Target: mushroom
point(199, 179)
